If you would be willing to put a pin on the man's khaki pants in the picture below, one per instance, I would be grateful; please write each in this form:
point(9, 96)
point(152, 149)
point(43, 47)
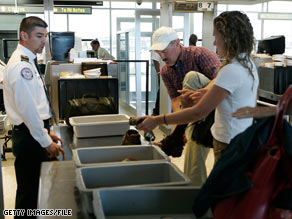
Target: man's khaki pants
point(195, 154)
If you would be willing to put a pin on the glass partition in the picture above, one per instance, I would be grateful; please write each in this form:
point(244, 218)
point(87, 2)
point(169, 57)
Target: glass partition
point(128, 79)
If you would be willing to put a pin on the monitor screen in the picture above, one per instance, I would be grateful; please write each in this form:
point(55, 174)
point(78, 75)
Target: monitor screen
point(9, 45)
point(272, 45)
point(61, 43)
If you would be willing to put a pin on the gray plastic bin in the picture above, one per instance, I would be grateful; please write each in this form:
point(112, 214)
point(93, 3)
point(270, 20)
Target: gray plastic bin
point(116, 154)
point(100, 125)
point(95, 142)
point(147, 203)
point(128, 175)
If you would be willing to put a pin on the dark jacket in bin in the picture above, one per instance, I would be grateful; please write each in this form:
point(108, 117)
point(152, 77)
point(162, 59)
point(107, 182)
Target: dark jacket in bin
point(228, 175)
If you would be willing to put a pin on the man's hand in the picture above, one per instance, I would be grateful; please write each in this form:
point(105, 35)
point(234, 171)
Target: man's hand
point(197, 95)
point(54, 150)
point(55, 138)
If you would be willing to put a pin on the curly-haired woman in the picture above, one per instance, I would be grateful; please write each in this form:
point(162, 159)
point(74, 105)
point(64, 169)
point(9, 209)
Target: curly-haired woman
point(234, 87)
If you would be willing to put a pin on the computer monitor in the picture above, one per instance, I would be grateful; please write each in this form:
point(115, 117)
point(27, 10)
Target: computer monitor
point(60, 44)
point(272, 45)
point(9, 45)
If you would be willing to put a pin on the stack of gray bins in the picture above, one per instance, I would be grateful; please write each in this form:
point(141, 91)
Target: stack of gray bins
point(102, 167)
point(135, 168)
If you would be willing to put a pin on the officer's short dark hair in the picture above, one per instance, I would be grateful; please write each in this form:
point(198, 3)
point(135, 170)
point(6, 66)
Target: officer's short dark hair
point(29, 23)
point(95, 42)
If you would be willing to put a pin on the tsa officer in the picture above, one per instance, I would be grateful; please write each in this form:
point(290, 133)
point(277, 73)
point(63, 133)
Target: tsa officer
point(29, 109)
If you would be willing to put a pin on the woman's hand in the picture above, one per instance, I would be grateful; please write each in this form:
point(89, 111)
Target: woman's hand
point(149, 123)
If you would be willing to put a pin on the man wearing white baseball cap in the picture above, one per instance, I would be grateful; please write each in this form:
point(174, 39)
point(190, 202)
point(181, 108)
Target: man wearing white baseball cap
point(179, 61)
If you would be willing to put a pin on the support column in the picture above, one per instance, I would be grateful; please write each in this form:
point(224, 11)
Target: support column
point(207, 36)
point(186, 29)
point(138, 65)
point(165, 20)
point(49, 18)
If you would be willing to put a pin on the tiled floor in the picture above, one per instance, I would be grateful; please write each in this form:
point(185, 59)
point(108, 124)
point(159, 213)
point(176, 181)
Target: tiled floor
point(9, 182)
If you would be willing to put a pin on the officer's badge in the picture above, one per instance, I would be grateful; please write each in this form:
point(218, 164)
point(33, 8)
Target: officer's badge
point(24, 58)
point(26, 73)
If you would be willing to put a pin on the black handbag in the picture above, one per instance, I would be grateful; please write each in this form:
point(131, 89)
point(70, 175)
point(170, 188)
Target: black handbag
point(89, 104)
point(202, 133)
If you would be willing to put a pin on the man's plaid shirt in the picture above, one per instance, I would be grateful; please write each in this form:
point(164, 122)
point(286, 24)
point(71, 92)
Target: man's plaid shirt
point(191, 58)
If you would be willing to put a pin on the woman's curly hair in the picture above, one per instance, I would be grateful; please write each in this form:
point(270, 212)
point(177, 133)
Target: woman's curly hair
point(238, 37)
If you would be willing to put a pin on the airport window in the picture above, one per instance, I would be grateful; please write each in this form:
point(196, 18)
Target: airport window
point(266, 28)
point(119, 14)
point(146, 27)
point(177, 22)
point(144, 5)
point(251, 13)
point(246, 8)
point(101, 30)
point(60, 22)
point(90, 27)
point(256, 24)
point(123, 5)
point(280, 6)
point(280, 27)
point(221, 7)
point(198, 26)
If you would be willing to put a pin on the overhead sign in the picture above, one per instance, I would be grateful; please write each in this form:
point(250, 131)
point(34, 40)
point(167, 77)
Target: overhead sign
point(182, 6)
point(57, 10)
point(193, 6)
point(72, 10)
point(11, 9)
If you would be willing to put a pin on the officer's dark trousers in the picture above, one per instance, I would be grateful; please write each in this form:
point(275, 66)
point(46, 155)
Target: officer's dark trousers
point(29, 155)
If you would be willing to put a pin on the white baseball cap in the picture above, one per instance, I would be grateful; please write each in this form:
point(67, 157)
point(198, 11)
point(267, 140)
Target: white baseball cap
point(162, 37)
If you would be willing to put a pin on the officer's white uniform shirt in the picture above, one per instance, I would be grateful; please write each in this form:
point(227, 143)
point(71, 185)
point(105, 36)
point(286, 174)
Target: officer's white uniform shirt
point(2, 69)
point(24, 95)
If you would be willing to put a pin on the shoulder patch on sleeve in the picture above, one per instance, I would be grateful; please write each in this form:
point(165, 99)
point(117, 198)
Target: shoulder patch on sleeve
point(24, 58)
point(26, 73)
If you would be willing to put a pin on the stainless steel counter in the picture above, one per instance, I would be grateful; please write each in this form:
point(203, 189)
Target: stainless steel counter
point(57, 179)
point(57, 189)
point(269, 95)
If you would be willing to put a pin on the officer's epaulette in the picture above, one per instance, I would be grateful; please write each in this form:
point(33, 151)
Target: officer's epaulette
point(24, 58)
